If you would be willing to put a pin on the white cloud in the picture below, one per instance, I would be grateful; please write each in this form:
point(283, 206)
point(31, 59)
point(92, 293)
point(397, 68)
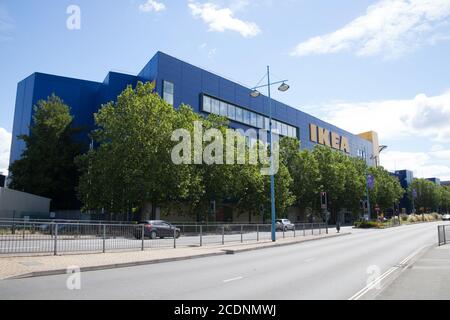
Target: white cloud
point(400, 122)
point(5, 144)
point(390, 27)
point(152, 5)
point(423, 164)
point(209, 52)
point(222, 19)
point(394, 119)
point(6, 24)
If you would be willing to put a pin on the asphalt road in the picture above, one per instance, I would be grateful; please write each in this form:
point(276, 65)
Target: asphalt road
point(335, 268)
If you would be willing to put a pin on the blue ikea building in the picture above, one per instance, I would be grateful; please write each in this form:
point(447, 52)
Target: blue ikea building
point(180, 82)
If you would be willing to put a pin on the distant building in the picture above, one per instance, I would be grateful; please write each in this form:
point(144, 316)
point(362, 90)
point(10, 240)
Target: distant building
point(445, 183)
point(18, 205)
point(405, 177)
point(435, 180)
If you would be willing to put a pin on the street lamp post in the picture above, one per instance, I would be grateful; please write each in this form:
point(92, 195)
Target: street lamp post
point(255, 93)
point(376, 158)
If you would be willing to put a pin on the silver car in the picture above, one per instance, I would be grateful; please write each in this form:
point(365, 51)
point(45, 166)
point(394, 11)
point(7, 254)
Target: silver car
point(284, 225)
point(446, 217)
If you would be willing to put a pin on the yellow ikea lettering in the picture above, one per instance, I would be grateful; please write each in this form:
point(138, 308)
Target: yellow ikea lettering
point(330, 139)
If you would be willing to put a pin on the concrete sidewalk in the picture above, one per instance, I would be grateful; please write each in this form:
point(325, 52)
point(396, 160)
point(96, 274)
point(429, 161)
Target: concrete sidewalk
point(426, 279)
point(14, 267)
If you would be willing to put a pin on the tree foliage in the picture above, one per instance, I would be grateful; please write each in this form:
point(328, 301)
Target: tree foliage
point(47, 166)
point(430, 196)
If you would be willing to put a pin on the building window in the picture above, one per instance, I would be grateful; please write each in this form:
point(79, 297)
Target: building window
point(260, 121)
point(223, 109)
point(235, 113)
point(284, 129)
point(239, 114)
point(215, 106)
point(231, 112)
point(207, 104)
point(168, 92)
point(246, 117)
point(253, 119)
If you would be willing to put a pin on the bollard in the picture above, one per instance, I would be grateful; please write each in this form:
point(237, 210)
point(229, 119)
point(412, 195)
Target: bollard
point(174, 238)
point(223, 235)
point(55, 249)
point(142, 237)
point(104, 238)
point(445, 240)
point(201, 236)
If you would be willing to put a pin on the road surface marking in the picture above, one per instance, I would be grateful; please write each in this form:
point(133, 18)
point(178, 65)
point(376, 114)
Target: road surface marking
point(233, 279)
point(372, 284)
point(378, 280)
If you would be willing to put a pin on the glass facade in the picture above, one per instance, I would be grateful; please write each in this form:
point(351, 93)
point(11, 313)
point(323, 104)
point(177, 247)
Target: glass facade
point(168, 92)
point(253, 119)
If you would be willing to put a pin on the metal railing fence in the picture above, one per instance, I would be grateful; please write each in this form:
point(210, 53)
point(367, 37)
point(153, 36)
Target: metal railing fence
point(32, 237)
point(443, 234)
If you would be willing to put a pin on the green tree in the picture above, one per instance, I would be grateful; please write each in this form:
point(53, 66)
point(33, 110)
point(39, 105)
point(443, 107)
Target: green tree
point(304, 170)
point(428, 197)
point(132, 166)
point(342, 178)
point(445, 199)
point(387, 189)
point(47, 166)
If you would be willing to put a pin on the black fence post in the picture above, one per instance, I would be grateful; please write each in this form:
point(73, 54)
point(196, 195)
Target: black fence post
point(55, 248)
point(104, 238)
point(174, 238)
point(223, 235)
point(142, 237)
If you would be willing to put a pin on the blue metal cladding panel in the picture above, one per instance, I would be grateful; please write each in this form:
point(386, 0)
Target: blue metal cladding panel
point(79, 95)
point(113, 86)
point(17, 145)
point(148, 73)
point(190, 82)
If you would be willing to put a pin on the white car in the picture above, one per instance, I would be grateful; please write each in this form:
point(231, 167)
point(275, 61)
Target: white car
point(446, 217)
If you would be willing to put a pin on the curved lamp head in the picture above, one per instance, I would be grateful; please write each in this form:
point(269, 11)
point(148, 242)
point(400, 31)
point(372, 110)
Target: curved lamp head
point(255, 93)
point(283, 87)
point(382, 148)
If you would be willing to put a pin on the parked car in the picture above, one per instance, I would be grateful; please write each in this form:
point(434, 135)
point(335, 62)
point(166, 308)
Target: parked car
point(158, 229)
point(446, 217)
point(284, 225)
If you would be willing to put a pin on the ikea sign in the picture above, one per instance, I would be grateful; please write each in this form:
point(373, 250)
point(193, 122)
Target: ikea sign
point(328, 138)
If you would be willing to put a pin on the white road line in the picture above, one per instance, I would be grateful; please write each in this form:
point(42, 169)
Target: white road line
point(372, 284)
point(378, 280)
point(233, 279)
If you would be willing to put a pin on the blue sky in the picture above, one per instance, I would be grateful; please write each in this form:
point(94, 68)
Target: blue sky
point(361, 65)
